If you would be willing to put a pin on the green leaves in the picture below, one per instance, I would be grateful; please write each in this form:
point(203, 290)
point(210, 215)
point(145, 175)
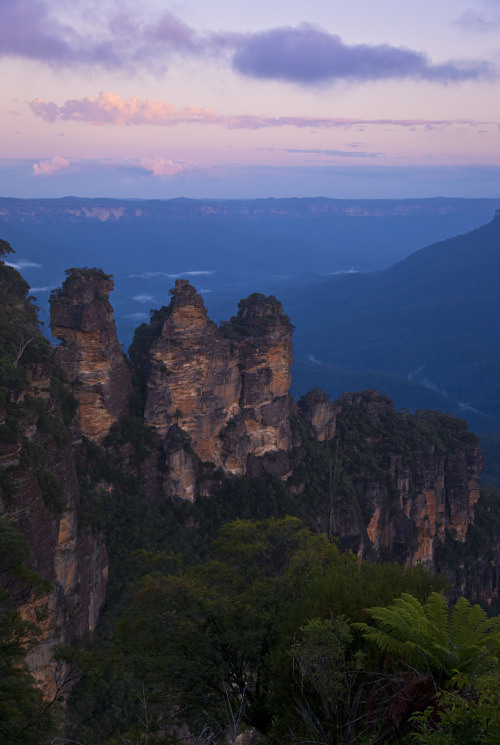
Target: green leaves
point(431, 638)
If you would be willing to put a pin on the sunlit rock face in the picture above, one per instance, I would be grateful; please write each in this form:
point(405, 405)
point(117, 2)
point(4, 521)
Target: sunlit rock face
point(90, 354)
point(262, 337)
point(411, 492)
point(226, 387)
point(194, 379)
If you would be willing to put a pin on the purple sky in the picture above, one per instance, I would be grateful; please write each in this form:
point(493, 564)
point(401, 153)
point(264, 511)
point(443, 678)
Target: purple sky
point(223, 99)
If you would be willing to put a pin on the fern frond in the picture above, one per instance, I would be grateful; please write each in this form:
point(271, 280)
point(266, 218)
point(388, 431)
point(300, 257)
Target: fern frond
point(428, 637)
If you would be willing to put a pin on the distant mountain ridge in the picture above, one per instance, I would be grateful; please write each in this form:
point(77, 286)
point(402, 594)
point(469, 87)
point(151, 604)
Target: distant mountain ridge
point(431, 319)
point(107, 209)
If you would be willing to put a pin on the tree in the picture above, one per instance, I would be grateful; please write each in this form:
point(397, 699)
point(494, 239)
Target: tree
point(434, 640)
point(431, 648)
point(253, 637)
point(468, 712)
point(5, 248)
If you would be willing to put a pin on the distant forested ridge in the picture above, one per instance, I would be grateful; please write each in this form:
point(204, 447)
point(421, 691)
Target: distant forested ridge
point(428, 321)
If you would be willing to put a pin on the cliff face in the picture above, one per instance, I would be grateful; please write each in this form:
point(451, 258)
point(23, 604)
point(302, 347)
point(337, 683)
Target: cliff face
point(193, 379)
point(81, 317)
point(39, 491)
point(262, 341)
point(220, 395)
point(227, 388)
point(321, 413)
point(415, 478)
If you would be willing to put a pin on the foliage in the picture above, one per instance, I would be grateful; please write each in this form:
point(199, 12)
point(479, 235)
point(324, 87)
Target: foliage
point(468, 713)
point(434, 650)
point(5, 248)
point(24, 718)
point(230, 634)
point(52, 491)
point(432, 639)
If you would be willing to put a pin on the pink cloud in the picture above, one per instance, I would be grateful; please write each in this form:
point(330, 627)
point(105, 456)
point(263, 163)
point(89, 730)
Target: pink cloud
point(162, 166)
point(49, 167)
point(111, 109)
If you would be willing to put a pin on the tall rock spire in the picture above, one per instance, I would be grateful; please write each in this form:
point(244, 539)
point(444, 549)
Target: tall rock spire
point(82, 318)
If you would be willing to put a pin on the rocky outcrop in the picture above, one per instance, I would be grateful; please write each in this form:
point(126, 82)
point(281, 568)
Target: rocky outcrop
point(416, 478)
point(193, 378)
point(40, 495)
point(317, 408)
point(227, 387)
point(82, 318)
point(262, 337)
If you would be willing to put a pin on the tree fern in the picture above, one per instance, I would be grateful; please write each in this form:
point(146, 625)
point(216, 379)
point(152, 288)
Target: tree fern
point(430, 638)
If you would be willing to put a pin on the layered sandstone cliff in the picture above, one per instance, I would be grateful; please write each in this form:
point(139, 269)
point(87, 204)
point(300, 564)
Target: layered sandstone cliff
point(193, 378)
point(81, 317)
point(40, 497)
point(387, 485)
point(321, 413)
point(226, 388)
point(262, 341)
point(219, 395)
point(415, 477)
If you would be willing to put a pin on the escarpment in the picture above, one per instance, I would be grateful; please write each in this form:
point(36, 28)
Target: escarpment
point(398, 485)
point(414, 479)
point(62, 587)
point(81, 317)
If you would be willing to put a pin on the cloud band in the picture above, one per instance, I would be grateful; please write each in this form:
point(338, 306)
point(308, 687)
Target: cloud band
point(111, 109)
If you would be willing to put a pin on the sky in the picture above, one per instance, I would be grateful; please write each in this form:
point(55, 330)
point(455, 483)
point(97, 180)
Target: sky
point(231, 99)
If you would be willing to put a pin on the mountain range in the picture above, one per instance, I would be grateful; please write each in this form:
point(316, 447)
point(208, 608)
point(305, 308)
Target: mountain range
point(431, 319)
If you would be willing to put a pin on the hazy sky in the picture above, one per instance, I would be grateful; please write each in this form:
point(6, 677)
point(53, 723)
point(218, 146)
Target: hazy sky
point(342, 98)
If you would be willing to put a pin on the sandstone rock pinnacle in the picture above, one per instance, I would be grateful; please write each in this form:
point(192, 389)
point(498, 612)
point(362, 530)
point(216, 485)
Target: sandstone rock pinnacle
point(90, 354)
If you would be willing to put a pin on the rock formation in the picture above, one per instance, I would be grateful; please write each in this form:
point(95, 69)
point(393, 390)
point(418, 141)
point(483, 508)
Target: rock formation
point(90, 354)
point(220, 396)
point(40, 494)
point(321, 413)
point(216, 401)
point(262, 339)
point(227, 387)
point(193, 378)
point(415, 485)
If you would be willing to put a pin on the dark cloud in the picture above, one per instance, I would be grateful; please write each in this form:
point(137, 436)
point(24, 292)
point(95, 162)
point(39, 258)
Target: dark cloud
point(124, 40)
point(171, 30)
point(308, 54)
point(129, 40)
point(27, 31)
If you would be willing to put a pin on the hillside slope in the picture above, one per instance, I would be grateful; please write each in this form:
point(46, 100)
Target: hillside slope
point(431, 319)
